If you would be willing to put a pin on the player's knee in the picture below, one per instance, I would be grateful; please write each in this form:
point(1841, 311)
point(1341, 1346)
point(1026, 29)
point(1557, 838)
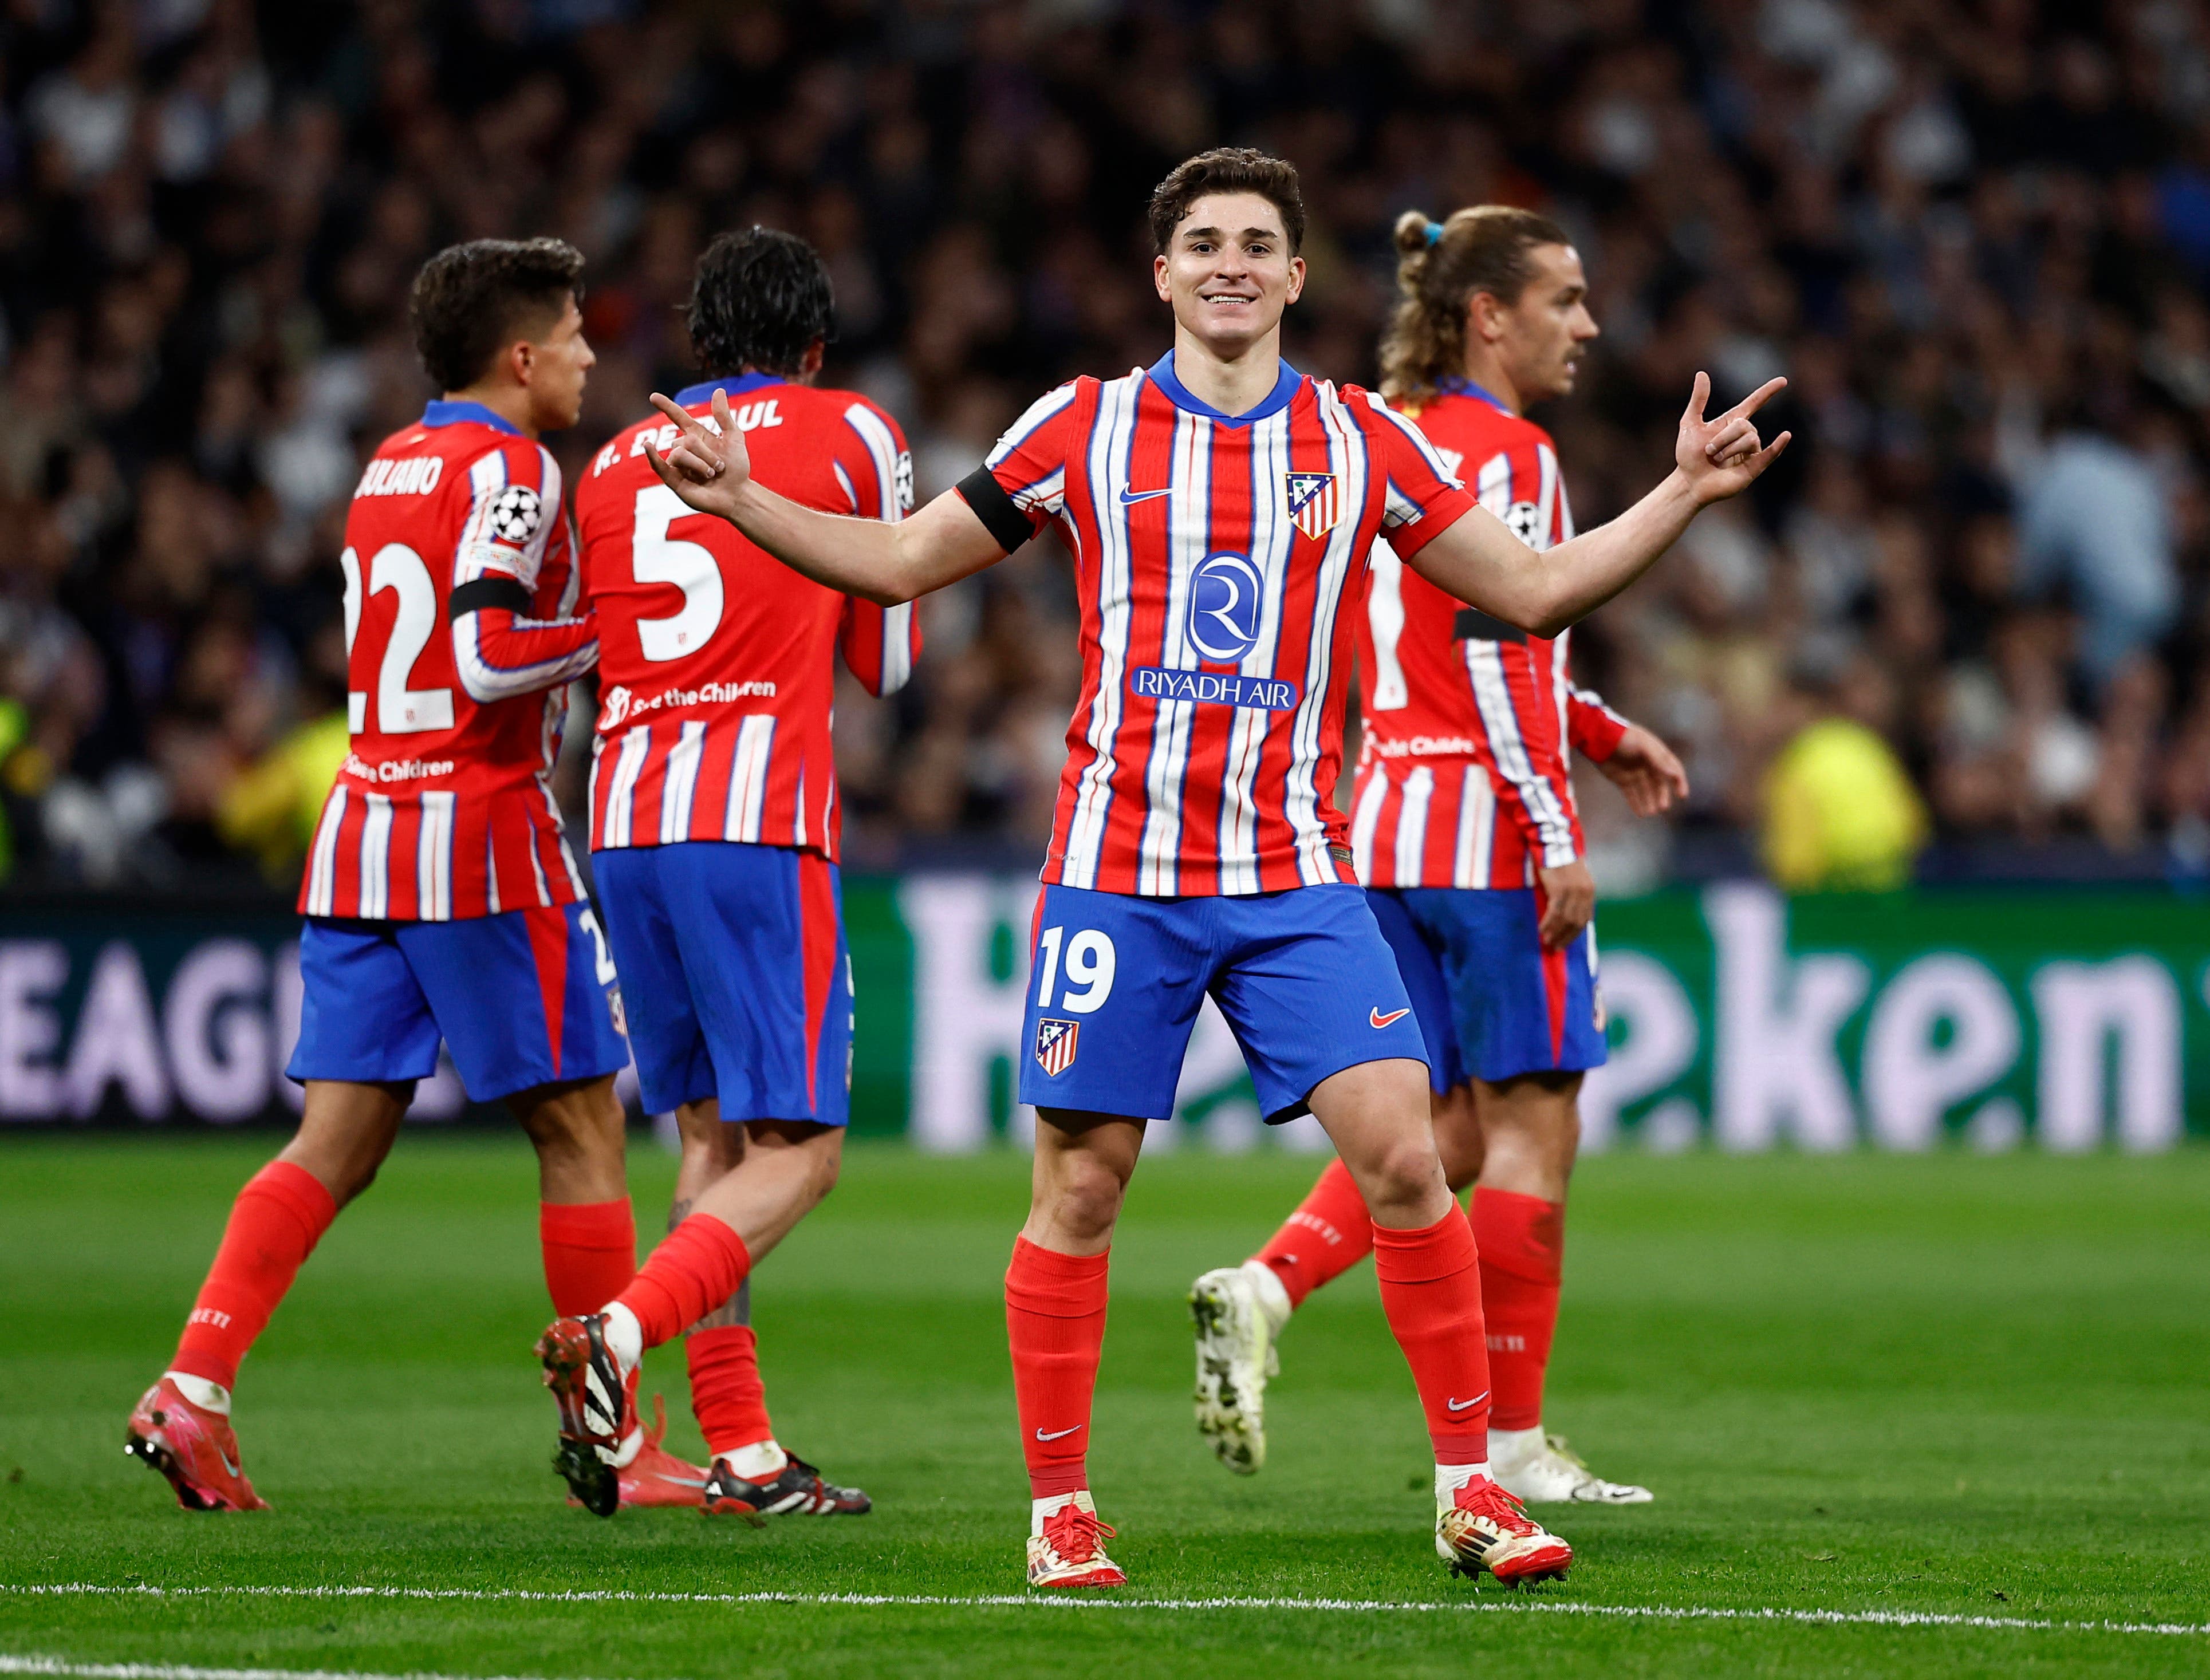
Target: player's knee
point(1084, 1198)
point(1404, 1172)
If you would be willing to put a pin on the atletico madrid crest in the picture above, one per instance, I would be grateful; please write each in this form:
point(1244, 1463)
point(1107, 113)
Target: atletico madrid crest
point(1055, 1046)
point(1313, 506)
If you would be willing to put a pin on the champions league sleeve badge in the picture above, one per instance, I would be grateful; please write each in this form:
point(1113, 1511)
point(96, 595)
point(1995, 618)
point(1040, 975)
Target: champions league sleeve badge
point(516, 513)
point(1055, 1046)
point(1313, 506)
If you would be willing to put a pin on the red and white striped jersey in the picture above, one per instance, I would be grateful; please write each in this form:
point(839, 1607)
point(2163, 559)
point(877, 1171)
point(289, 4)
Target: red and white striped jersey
point(443, 810)
point(717, 662)
point(1218, 561)
point(1462, 779)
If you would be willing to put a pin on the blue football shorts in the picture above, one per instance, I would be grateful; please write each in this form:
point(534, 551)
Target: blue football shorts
point(733, 959)
point(1304, 978)
point(1491, 1002)
point(523, 998)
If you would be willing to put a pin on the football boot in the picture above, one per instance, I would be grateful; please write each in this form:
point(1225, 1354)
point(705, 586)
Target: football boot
point(1067, 1548)
point(1484, 1527)
point(1236, 1355)
point(796, 1489)
point(1543, 1471)
point(656, 1476)
point(194, 1447)
point(597, 1400)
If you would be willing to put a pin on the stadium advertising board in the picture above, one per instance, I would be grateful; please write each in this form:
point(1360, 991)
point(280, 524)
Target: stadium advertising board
point(1992, 1017)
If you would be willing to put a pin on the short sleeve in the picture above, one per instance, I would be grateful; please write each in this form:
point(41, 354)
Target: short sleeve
point(1029, 461)
point(514, 513)
point(874, 465)
point(1423, 498)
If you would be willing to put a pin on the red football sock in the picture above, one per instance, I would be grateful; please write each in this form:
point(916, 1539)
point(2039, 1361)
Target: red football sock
point(590, 1252)
point(1523, 1247)
point(1055, 1321)
point(274, 1224)
point(727, 1394)
point(693, 1272)
point(1431, 1290)
point(1329, 1234)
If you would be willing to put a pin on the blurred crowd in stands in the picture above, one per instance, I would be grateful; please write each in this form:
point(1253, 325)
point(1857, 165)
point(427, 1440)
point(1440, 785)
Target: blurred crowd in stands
point(1972, 606)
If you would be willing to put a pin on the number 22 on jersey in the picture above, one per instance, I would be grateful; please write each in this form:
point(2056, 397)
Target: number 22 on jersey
point(399, 709)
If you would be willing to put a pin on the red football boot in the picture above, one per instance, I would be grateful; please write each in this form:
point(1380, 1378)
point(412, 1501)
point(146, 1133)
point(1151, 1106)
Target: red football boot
point(1066, 1546)
point(1484, 1527)
point(194, 1448)
point(655, 1477)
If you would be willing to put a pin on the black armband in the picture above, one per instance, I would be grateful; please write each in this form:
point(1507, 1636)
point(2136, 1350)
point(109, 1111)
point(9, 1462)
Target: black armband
point(479, 592)
point(999, 515)
point(1473, 624)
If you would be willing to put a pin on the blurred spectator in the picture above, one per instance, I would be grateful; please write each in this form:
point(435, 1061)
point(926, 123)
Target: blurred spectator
point(2093, 519)
point(1840, 814)
point(1974, 233)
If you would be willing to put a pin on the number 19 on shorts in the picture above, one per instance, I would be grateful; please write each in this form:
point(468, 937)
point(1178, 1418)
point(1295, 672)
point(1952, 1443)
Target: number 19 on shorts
point(1090, 965)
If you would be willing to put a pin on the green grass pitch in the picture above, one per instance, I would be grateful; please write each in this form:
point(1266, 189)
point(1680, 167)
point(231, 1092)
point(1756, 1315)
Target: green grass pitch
point(1949, 1387)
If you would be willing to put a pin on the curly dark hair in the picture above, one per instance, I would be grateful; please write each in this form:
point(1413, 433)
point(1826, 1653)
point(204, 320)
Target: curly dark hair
point(759, 298)
point(1228, 169)
point(471, 301)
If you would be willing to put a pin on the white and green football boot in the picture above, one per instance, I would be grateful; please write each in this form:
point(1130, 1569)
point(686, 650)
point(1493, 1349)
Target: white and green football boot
point(1238, 1311)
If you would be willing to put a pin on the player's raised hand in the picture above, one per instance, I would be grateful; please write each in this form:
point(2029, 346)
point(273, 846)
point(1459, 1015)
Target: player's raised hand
point(1721, 456)
point(1644, 769)
point(705, 469)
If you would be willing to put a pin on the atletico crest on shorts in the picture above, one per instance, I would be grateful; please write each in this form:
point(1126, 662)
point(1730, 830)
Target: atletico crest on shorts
point(1313, 507)
point(1055, 1046)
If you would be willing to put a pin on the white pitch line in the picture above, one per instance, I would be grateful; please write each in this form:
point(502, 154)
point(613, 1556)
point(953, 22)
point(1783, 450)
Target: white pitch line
point(62, 1666)
point(1872, 1618)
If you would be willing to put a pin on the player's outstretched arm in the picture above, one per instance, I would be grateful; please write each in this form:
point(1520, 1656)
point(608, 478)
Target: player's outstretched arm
point(1479, 560)
point(883, 563)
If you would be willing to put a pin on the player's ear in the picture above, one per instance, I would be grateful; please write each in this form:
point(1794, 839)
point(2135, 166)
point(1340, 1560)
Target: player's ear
point(1296, 280)
point(1159, 278)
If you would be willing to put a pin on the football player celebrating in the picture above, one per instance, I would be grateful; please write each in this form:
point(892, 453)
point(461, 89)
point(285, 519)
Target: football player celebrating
point(1220, 507)
point(441, 902)
point(713, 814)
point(1465, 833)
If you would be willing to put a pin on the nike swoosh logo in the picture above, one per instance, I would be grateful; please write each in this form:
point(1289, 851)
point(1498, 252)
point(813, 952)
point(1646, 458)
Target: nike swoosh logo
point(226, 1464)
point(1379, 1021)
point(1460, 1406)
point(1128, 495)
point(1056, 1434)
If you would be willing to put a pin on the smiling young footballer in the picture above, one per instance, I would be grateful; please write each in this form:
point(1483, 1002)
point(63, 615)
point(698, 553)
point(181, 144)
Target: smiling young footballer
point(1196, 847)
point(1465, 833)
point(440, 899)
point(714, 811)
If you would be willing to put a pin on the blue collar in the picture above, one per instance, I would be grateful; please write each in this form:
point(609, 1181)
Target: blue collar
point(736, 384)
point(1453, 385)
point(443, 414)
point(1286, 386)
